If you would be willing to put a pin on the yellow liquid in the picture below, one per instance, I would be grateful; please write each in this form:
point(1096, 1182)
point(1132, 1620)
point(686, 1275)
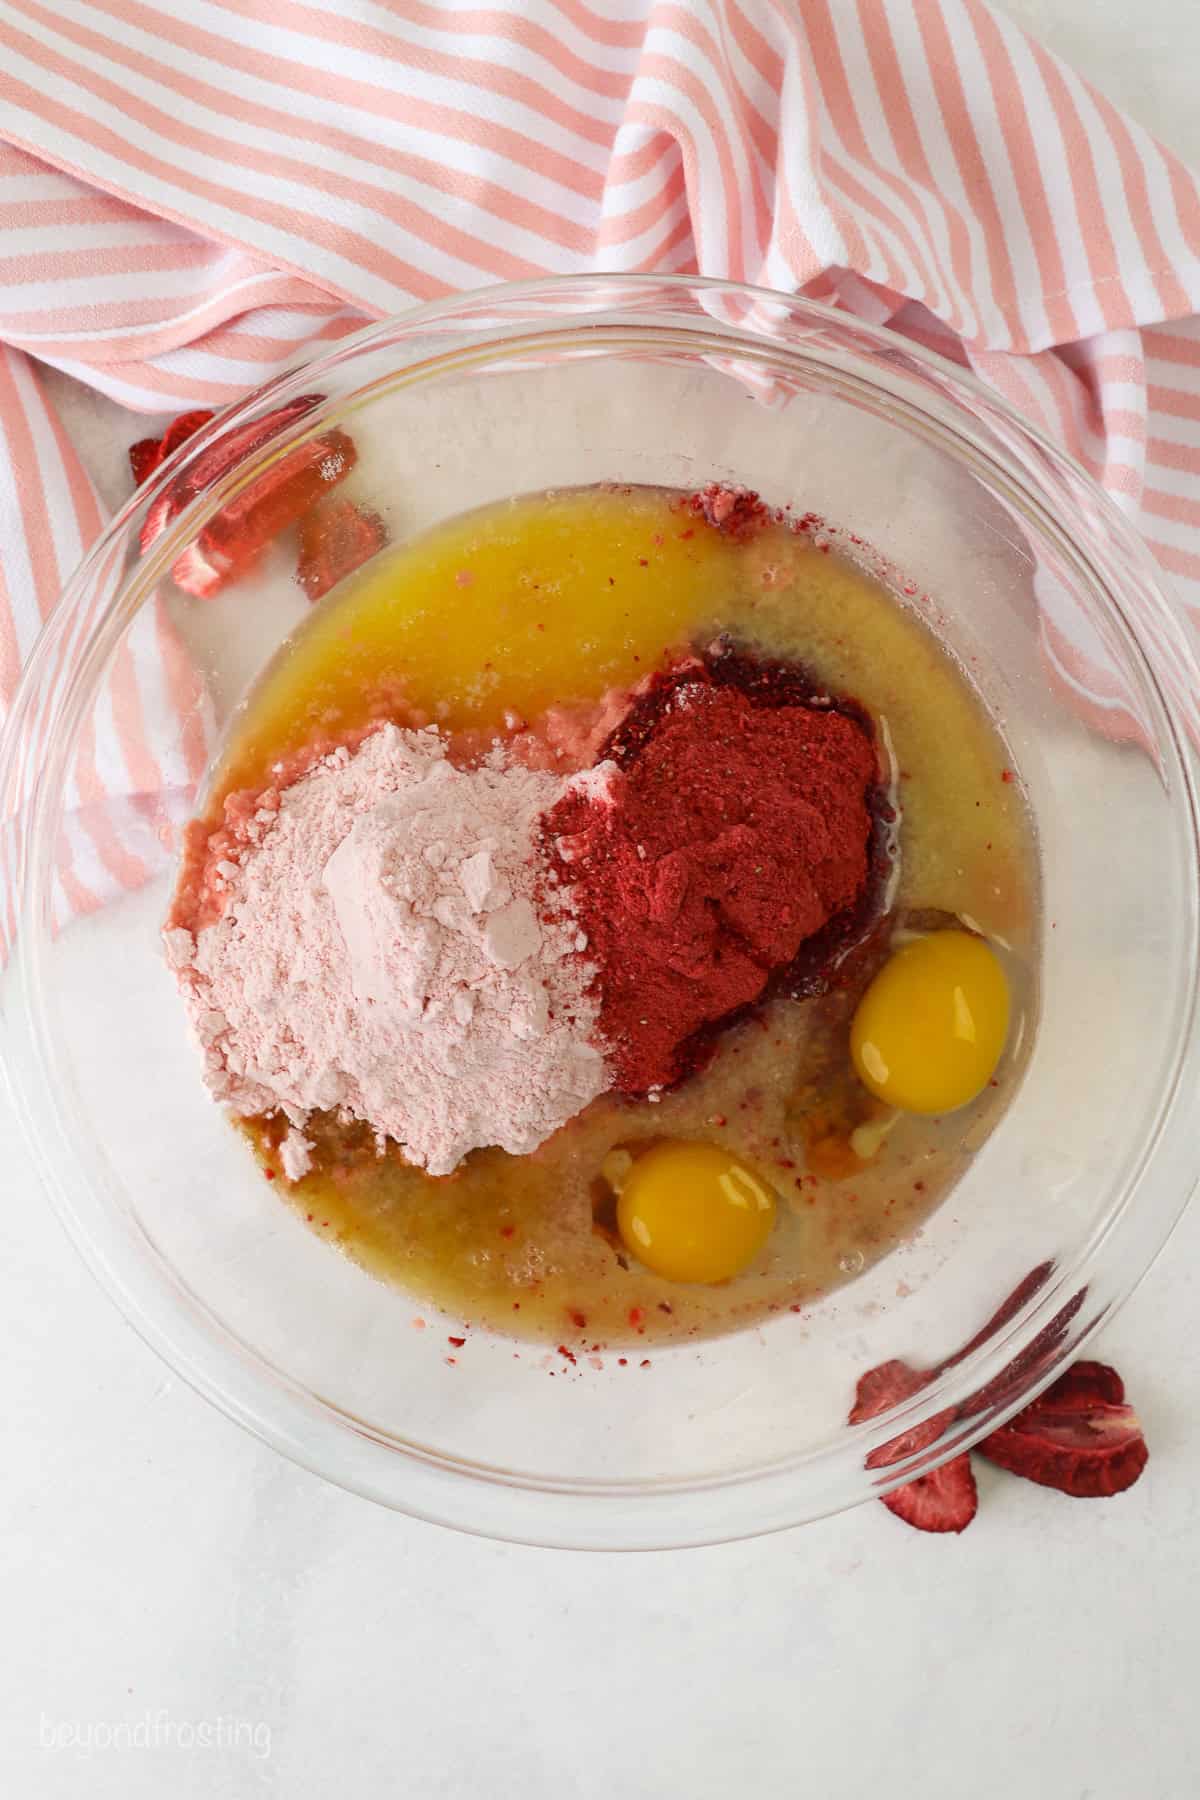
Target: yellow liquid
point(556, 599)
point(514, 610)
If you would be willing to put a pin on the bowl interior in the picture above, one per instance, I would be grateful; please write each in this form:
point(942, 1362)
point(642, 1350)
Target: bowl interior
point(1027, 579)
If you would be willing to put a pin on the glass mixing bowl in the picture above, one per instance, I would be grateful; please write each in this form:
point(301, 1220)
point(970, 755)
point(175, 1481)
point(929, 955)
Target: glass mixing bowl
point(1027, 573)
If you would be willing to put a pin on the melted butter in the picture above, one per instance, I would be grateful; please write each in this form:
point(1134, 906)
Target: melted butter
point(522, 607)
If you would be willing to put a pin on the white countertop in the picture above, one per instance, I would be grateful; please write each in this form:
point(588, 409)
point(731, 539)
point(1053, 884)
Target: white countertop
point(164, 1570)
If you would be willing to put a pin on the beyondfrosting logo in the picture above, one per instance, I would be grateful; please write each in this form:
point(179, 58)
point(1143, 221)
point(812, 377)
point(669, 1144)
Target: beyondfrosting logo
point(156, 1731)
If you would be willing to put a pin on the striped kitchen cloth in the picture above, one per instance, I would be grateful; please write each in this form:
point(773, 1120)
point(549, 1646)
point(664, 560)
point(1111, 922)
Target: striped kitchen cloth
point(191, 191)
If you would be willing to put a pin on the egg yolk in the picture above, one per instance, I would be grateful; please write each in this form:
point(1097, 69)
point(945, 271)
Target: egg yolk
point(931, 1027)
point(692, 1212)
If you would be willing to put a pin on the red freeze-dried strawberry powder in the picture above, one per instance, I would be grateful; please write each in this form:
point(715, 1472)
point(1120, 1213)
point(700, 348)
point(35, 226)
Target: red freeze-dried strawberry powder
point(733, 857)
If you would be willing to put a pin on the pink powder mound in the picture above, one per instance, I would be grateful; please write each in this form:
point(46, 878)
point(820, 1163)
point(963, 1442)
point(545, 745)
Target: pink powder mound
point(378, 950)
point(211, 854)
point(566, 739)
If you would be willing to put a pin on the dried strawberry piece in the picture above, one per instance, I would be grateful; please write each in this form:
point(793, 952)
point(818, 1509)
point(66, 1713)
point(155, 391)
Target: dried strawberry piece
point(1087, 1383)
point(198, 574)
point(148, 453)
point(223, 453)
point(280, 495)
point(336, 538)
point(1027, 1364)
point(238, 441)
point(231, 542)
point(886, 1386)
point(144, 458)
point(158, 516)
point(181, 429)
point(944, 1500)
point(908, 1443)
point(1079, 1436)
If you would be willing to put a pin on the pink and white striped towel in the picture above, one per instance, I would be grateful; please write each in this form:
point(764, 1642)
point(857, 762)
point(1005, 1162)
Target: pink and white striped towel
point(193, 190)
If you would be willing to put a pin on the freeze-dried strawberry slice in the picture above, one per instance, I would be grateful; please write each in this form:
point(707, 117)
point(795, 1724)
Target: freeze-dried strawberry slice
point(944, 1500)
point(230, 543)
point(159, 515)
point(238, 441)
point(1086, 1383)
point(222, 454)
point(181, 429)
point(336, 538)
point(144, 458)
point(1027, 1364)
point(280, 495)
point(934, 1502)
point(147, 453)
point(885, 1386)
point(233, 539)
point(198, 574)
point(908, 1443)
point(1079, 1436)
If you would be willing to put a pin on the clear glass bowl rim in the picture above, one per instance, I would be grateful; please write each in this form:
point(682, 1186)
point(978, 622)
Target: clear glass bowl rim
point(502, 1503)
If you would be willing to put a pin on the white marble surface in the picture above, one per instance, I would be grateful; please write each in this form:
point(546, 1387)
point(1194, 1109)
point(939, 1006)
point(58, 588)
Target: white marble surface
point(164, 1571)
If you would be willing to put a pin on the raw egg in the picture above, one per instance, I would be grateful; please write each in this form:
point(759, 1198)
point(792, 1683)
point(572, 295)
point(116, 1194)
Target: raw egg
point(931, 1027)
point(692, 1212)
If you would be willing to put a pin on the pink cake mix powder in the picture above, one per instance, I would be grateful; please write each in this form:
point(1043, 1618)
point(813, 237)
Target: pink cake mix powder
point(370, 941)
